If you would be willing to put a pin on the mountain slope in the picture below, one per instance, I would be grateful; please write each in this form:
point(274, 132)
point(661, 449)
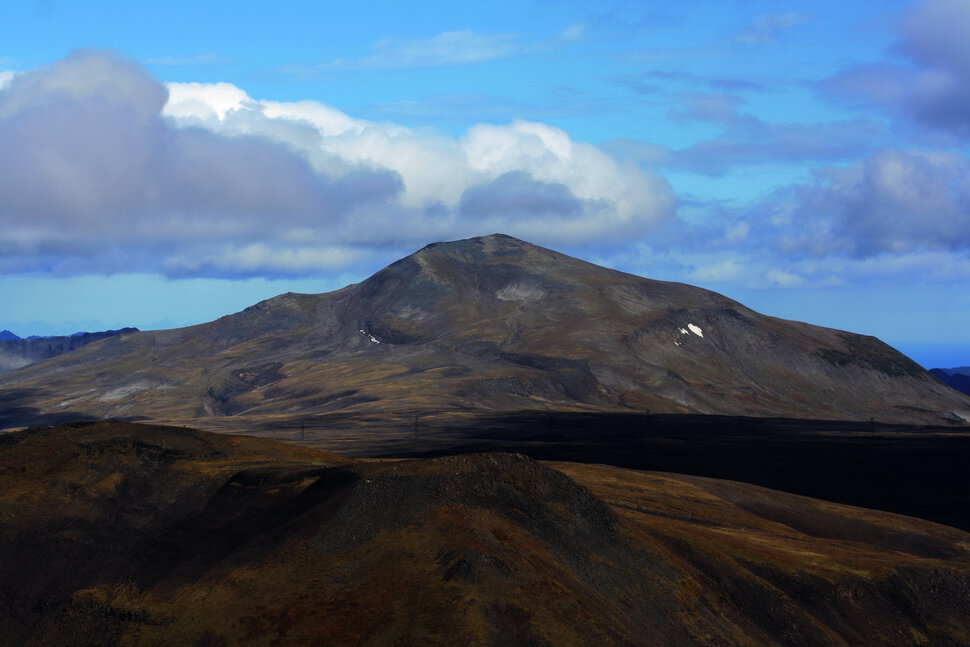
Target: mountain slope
point(16, 352)
point(486, 324)
point(117, 533)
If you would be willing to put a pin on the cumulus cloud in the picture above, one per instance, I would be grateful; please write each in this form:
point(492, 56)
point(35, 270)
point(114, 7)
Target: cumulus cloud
point(896, 216)
point(935, 32)
point(517, 201)
point(612, 200)
point(102, 169)
point(894, 202)
point(933, 89)
point(88, 165)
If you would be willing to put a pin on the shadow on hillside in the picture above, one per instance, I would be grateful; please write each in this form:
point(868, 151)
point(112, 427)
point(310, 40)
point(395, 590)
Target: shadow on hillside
point(911, 470)
point(15, 411)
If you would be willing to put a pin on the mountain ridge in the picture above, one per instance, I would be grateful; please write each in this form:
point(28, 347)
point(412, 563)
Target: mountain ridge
point(957, 378)
point(17, 352)
point(489, 324)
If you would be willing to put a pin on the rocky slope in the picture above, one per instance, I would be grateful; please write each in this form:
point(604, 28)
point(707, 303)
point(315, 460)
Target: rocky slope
point(485, 324)
point(122, 534)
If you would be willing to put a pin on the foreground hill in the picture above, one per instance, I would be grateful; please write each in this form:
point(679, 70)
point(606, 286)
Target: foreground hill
point(485, 324)
point(117, 533)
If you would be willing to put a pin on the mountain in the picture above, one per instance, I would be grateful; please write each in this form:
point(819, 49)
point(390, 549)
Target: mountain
point(483, 325)
point(957, 378)
point(117, 533)
point(16, 352)
point(963, 370)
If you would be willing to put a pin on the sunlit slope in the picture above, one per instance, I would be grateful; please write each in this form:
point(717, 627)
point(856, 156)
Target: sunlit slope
point(487, 324)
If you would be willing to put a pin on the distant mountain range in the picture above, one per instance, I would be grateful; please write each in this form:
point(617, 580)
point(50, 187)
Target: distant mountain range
point(16, 352)
point(483, 325)
point(958, 378)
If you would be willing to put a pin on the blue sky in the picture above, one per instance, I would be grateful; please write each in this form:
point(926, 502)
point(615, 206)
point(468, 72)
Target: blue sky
point(163, 166)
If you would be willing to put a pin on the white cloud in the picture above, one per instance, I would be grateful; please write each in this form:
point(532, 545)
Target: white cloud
point(102, 168)
point(203, 100)
point(616, 200)
point(92, 178)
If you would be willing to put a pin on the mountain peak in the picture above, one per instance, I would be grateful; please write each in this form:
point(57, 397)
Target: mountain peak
point(480, 247)
point(493, 323)
point(489, 240)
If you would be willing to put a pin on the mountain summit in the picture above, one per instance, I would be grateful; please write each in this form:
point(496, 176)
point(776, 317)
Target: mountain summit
point(488, 324)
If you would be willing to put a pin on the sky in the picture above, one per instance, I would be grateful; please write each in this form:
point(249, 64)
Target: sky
point(162, 165)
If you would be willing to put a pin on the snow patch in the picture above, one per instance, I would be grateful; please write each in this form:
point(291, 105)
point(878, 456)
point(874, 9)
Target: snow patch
point(369, 336)
point(683, 331)
point(695, 329)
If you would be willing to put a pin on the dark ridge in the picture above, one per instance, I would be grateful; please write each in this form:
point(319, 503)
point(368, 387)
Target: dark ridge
point(16, 352)
point(958, 381)
point(907, 469)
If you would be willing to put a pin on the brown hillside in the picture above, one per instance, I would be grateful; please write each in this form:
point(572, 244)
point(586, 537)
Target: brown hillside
point(485, 324)
point(121, 534)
